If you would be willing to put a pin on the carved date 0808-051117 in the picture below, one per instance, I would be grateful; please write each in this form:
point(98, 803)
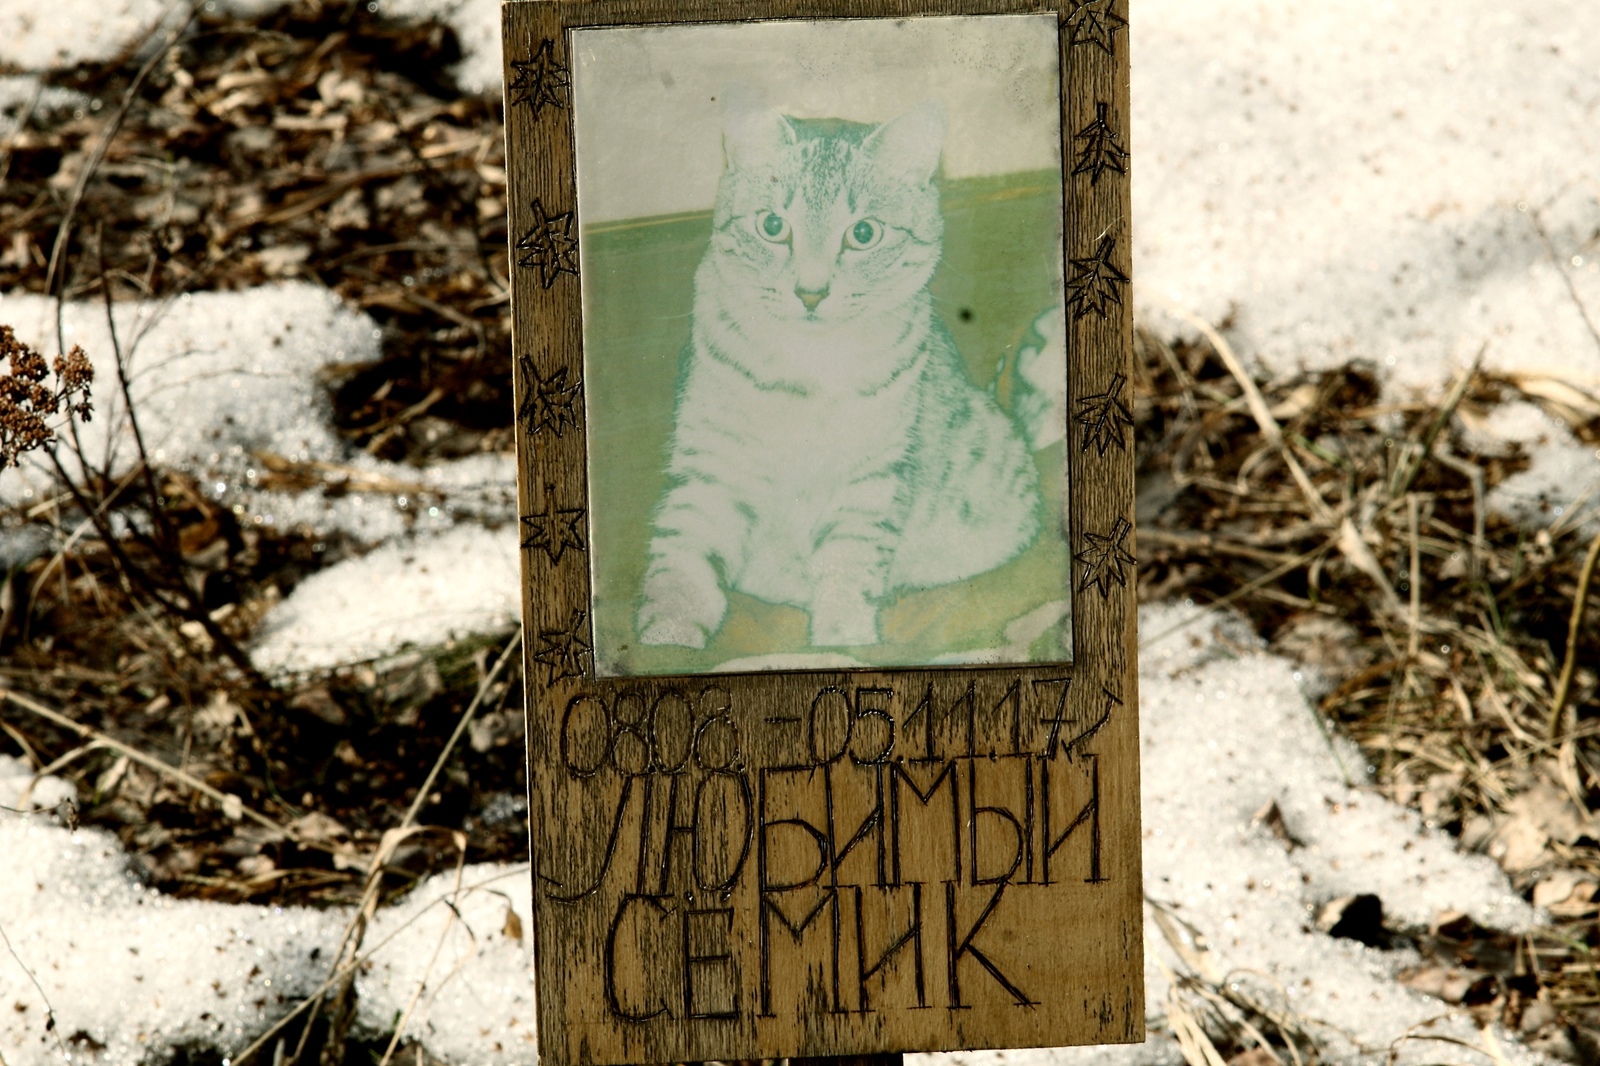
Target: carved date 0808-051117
point(882, 825)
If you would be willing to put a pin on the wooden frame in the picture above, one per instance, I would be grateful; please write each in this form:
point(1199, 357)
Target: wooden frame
point(681, 776)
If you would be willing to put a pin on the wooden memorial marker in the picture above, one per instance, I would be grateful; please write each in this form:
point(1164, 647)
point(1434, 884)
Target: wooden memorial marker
point(825, 463)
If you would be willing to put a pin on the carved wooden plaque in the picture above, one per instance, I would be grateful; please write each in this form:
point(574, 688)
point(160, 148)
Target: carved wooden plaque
point(822, 344)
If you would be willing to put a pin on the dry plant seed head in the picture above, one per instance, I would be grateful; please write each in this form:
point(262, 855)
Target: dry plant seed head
point(26, 402)
point(75, 374)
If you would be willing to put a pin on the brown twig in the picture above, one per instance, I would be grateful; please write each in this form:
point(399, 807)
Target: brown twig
point(50, 1010)
point(1261, 413)
point(343, 972)
point(226, 801)
point(1441, 418)
point(157, 512)
point(187, 606)
point(23, 118)
point(1558, 702)
point(97, 155)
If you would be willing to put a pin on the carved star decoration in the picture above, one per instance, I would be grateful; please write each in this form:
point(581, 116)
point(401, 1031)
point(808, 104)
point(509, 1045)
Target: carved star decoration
point(1106, 416)
point(548, 402)
point(1101, 151)
point(549, 245)
point(1096, 283)
point(540, 82)
point(1096, 22)
point(555, 529)
point(563, 651)
point(1105, 560)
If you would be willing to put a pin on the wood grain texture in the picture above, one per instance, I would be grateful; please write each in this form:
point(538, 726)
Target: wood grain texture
point(828, 863)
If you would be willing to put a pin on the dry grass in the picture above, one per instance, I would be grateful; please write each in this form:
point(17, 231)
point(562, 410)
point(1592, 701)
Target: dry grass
point(1450, 643)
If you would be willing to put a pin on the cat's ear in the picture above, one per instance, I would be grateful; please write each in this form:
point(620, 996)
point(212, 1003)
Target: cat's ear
point(909, 145)
point(753, 134)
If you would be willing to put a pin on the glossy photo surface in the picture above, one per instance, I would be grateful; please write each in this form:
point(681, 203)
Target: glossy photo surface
point(823, 343)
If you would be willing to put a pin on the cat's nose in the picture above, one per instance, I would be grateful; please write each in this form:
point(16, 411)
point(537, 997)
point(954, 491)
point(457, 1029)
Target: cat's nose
point(811, 297)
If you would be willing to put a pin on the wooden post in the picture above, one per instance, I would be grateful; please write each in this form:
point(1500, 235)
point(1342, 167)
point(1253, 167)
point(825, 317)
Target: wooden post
point(786, 807)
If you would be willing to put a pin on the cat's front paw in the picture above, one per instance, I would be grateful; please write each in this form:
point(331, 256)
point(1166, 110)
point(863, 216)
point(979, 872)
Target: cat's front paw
point(843, 617)
point(680, 609)
point(673, 631)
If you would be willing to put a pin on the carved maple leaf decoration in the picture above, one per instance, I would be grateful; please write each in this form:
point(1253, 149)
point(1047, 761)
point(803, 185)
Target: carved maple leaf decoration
point(555, 529)
point(548, 402)
point(549, 245)
point(1096, 22)
point(541, 81)
point(564, 651)
point(1105, 560)
point(1106, 416)
point(1096, 283)
point(1101, 151)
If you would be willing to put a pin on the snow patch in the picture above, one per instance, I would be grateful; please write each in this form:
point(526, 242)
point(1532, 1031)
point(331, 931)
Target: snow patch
point(418, 592)
point(124, 967)
point(1357, 181)
point(463, 955)
point(477, 27)
point(24, 96)
point(68, 32)
point(224, 382)
point(1563, 473)
point(1229, 720)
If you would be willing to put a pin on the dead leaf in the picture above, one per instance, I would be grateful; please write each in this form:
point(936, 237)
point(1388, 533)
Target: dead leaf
point(318, 828)
point(106, 785)
point(349, 211)
point(1447, 983)
point(1256, 1056)
point(1270, 816)
point(1565, 893)
point(283, 260)
point(319, 701)
point(1542, 813)
point(255, 866)
point(1297, 403)
point(1328, 644)
point(221, 716)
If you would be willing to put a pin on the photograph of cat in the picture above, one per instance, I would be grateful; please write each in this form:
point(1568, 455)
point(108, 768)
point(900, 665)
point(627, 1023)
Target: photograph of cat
point(829, 448)
point(824, 363)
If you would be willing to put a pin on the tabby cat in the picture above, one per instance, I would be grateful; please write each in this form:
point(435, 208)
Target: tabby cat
point(829, 448)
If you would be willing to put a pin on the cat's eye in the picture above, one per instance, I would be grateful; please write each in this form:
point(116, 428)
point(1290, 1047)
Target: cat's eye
point(773, 226)
point(864, 234)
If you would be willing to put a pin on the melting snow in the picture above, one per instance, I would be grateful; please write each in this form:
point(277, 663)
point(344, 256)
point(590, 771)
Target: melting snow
point(1402, 183)
point(1406, 184)
point(124, 966)
point(478, 1006)
point(421, 591)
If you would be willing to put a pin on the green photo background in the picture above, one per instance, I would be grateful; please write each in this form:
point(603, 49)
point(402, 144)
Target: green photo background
point(1000, 269)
